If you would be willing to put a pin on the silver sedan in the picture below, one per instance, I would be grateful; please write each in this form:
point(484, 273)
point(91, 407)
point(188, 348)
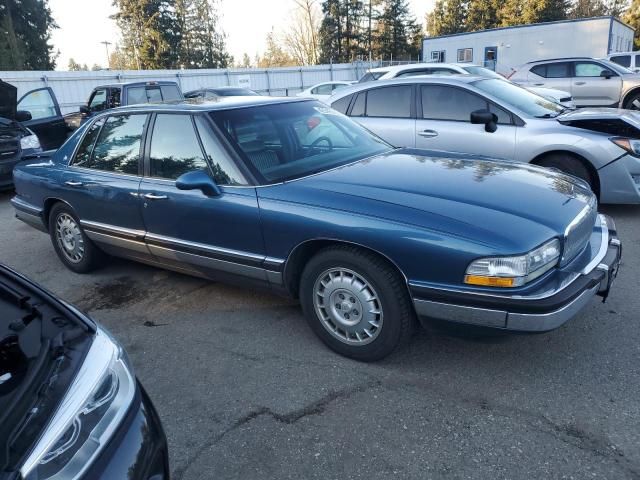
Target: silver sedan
point(498, 119)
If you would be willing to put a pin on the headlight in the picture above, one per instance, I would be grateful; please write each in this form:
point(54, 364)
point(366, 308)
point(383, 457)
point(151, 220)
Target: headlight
point(30, 141)
point(631, 145)
point(514, 271)
point(88, 415)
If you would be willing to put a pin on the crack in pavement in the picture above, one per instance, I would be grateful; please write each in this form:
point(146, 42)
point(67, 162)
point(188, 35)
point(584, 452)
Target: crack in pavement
point(314, 408)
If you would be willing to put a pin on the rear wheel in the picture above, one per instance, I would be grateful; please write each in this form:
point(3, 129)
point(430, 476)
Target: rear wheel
point(356, 303)
point(633, 102)
point(72, 245)
point(569, 164)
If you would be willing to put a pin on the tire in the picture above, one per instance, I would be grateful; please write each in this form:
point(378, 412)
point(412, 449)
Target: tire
point(336, 285)
point(74, 248)
point(633, 102)
point(569, 164)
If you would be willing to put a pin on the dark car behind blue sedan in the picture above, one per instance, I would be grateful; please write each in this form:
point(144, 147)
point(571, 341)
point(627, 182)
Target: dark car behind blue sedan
point(289, 194)
point(70, 406)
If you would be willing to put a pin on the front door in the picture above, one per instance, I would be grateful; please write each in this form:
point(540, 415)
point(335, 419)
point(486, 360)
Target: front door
point(588, 88)
point(46, 120)
point(102, 181)
point(444, 123)
point(209, 234)
point(490, 57)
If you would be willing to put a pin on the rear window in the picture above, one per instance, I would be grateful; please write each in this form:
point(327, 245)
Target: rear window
point(170, 92)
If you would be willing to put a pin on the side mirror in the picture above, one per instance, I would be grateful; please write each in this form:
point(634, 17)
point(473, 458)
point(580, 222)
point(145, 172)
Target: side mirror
point(606, 74)
point(198, 180)
point(23, 116)
point(84, 110)
point(486, 118)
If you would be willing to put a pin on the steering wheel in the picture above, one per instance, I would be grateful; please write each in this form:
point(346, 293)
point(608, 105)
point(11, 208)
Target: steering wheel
point(317, 141)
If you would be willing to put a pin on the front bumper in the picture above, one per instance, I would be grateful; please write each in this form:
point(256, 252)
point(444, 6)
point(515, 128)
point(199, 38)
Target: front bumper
point(620, 181)
point(539, 313)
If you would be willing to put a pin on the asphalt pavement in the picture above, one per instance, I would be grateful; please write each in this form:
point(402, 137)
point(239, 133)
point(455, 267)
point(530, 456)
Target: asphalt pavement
point(246, 391)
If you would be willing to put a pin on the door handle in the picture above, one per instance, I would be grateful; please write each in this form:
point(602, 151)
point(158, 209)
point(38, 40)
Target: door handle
point(538, 84)
point(428, 133)
point(580, 83)
point(153, 196)
point(72, 183)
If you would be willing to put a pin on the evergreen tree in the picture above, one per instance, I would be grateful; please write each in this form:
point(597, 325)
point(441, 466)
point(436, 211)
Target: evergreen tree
point(331, 32)
point(632, 17)
point(481, 15)
point(73, 66)
point(537, 11)
point(396, 30)
point(587, 8)
point(274, 55)
point(510, 13)
point(26, 27)
point(448, 17)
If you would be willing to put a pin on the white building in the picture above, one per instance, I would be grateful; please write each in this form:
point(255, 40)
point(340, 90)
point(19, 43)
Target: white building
point(504, 48)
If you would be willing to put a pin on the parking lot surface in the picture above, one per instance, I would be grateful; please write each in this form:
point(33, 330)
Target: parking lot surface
point(246, 391)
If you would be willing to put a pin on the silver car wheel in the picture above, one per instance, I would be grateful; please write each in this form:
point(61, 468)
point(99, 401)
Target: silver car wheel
point(69, 238)
point(348, 306)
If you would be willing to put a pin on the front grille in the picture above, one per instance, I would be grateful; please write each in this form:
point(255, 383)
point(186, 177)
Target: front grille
point(9, 149)
point(579, 232)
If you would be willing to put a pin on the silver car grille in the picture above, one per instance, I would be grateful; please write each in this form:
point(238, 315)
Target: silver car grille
point(579, 232)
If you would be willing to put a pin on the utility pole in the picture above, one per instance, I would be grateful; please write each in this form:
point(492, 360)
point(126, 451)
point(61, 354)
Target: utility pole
point(106, 44)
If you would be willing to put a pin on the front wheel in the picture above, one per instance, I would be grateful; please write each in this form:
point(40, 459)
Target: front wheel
point(72, 245)
point(633, 103)
point(356, 302)
point(569, 164)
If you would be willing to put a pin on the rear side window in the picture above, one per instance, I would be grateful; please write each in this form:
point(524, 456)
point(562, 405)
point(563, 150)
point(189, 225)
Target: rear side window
point(83, 154)
point(118, 145)
point(342, 104)
point(358, 107)
point(552, 70)
point(389, 102)
point(174, 147)
point(624, 60)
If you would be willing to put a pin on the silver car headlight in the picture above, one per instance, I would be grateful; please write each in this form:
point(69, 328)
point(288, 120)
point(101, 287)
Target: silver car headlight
point(514, 271)
point(29, 142)
point(89, 414)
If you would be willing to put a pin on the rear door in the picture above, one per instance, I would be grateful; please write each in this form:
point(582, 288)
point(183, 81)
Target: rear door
point(588, 88)
point(388, 112)
point(444, 123)
point(46, 120)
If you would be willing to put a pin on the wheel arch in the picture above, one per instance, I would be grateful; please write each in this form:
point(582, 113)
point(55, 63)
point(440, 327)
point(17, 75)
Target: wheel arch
point(584, 161)
point(633, 91)
point(48, 205)
point(304, 251)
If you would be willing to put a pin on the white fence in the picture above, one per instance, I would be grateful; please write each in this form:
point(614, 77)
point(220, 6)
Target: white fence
point(72, 89)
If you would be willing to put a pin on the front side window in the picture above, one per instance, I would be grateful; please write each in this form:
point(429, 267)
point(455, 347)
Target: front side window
point(98, 101)
point(441, 102)
point(118, 146)
point(389, 102)
point(589, 69)
point(465, 55)
point(520, 98)
point(174, 147)
point(39, 103)
point(311, 138)
point(225, 172)
point(83, 154)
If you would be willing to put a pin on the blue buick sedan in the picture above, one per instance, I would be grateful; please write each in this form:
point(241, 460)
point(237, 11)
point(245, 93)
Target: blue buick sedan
point(290, 194)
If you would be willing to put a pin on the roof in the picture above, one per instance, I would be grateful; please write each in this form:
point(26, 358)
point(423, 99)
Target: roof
point(528, 25)
point(135, 84)
point(559, 59)
point(219, 103)
point(448, 79)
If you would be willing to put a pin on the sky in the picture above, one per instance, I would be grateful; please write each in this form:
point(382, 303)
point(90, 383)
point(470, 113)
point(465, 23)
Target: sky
point(85, 23)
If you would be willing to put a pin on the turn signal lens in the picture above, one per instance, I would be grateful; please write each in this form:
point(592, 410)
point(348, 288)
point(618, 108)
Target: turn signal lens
point(489, 281)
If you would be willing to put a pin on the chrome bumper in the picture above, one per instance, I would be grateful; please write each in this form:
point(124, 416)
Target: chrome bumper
point(599, 274)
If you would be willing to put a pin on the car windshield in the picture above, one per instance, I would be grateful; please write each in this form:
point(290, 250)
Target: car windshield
point(285, 141)
point(482, 72)
point(617, 67)
point(520, 98)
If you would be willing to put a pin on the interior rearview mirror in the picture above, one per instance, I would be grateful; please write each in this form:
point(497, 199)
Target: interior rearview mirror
point(606, 73)
point(23, 116)
point(486, 118)
point(198, 180)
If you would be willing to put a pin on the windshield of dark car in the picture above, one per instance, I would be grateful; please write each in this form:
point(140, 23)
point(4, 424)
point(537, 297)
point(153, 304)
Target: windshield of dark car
point(520, 98)
point(290, 140)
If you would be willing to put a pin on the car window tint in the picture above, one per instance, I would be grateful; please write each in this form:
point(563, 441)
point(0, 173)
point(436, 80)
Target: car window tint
point(441, 102)
point(136, 95)
point(390, 102)
point(358, 106)
point(504, 117)
point(83, 154)
point(558, 70)
point(39, 104)
point(322, 90)
point(154, 95)
point(624, 60)
point(114, 97)
point(170, 92)
point(118, 146)
point(540, 70)
point(225, 171)
point(98, 101)
point(342, 104)
point(589, 69)
point(413, 73)
point(174, 147)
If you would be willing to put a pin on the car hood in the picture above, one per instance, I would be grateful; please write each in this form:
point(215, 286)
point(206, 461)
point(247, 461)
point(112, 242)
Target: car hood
point(496, 203)
point(616, 121)
point(8, 100)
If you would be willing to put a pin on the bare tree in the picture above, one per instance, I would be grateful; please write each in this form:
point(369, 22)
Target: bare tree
point(301, 38)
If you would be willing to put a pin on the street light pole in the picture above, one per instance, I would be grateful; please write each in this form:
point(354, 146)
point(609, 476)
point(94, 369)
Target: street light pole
point(106, 44)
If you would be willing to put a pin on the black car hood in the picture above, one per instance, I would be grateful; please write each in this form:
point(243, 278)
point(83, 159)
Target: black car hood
point(8, 100)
